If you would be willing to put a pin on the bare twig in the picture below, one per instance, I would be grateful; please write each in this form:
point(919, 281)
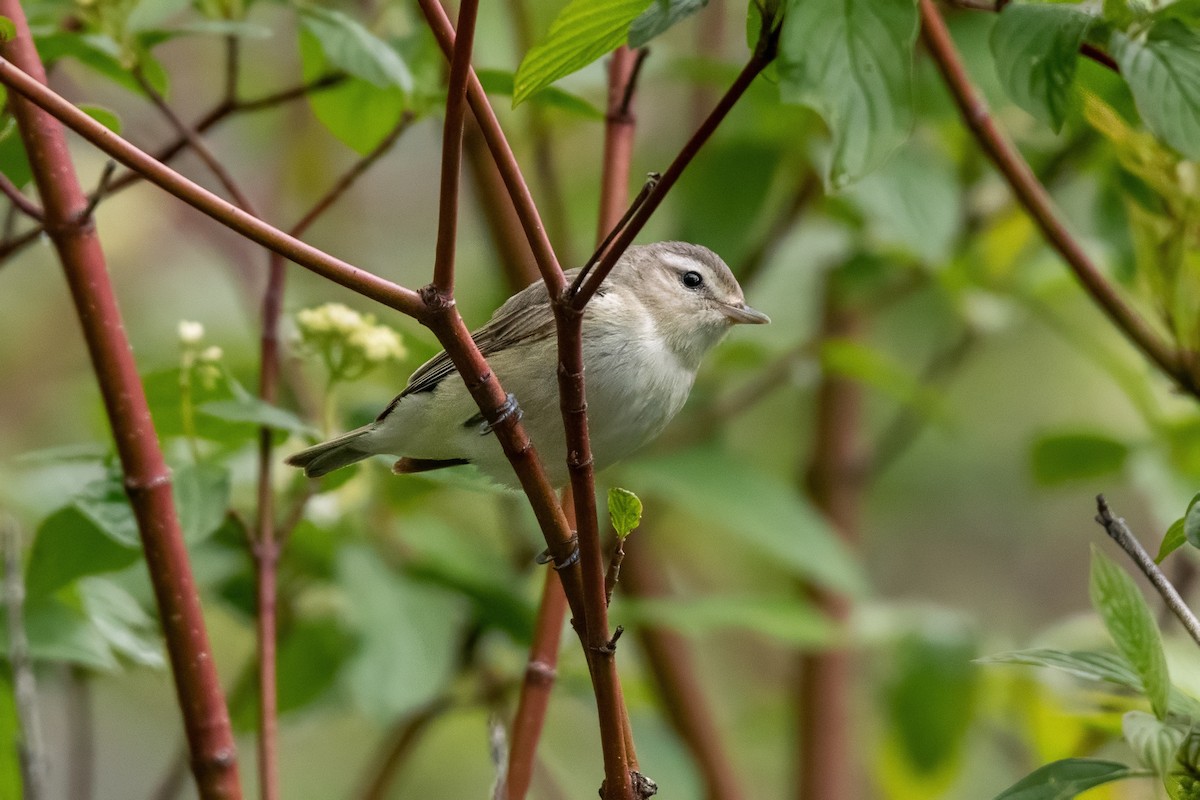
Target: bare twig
point(1033, 196)
point(620, 125)
point(498, 211)
point(366, 284)
point(1119, 532)
point(30, 751)
point(613, 576)
point(19, 201)
point(147, 479)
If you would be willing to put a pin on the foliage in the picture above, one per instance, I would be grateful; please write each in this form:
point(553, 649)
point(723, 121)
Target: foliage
point(402, 596)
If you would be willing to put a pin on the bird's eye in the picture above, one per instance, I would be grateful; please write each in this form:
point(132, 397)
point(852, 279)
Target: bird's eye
point(692, 279)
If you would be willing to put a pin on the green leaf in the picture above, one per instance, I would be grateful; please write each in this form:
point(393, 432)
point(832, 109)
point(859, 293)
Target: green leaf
point(931, 696)
point(625, 511)
point(787, 620)
point(201, 499)
point(410, 635)
point(500, 82)
point(1191, 523)
point(855, 360)
point(581, 33)
point(356, 111)
point(660, 16)
point(1162, 68)
point(149, 14)
point(70, 545)
point(104, 56)
point(1093, 666)
point(8, 31)
point(753, 506)
point(104, 116)
point(1131, 625)
point(1173, 539)
point(852, 63)
point(123, 624)
point(1065, 779)
point(14, 163)
point(250, 410)
point(350, 47)
point(59, 632)
point(1152, 741)
point(10, 737)
point(1063, 457)
point(1036, 47)
point(106, 504)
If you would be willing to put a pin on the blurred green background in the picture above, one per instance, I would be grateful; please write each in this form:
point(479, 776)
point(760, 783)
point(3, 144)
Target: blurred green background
point(398, 591)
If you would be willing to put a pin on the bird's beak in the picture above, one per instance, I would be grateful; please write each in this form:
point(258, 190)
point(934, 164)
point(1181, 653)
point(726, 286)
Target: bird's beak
point(740, 313)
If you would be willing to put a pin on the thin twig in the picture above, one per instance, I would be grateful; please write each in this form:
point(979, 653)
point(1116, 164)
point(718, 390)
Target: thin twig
point(19, 201)
point(1036, 201)
point(195, 144)
point(30, 750)
point(613, 576)
point(1119, 532)
point(366, 284)
point(221, 112)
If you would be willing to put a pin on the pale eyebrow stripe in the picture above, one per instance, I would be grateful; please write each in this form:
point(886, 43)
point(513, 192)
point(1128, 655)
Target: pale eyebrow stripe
point(682, 262)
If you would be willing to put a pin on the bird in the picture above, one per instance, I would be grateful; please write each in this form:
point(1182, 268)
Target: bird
point(645, 331)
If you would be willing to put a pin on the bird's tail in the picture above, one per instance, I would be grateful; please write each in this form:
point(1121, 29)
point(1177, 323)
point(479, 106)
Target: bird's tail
point(334, 454)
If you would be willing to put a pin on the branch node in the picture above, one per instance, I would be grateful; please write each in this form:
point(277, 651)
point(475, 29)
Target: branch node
point(135, 485)
point(561, 560)
point(541, 673)
point(436, 301)
point(611, 647)
point(508, 409)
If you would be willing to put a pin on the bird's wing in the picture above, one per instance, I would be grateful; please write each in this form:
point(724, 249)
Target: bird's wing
point(525, 316)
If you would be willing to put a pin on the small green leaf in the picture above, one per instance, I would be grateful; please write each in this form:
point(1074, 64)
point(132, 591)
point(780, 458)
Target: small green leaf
point(852, 63)
point(1153, 742)
point(500, 82)
point(149, 14)
point(1036, 47)
point(1162, 68)
point(581, 33)
point(1191, 523)
point(1173, 539)
point(124, 624)
point(1132, 627)
point(356, 111)
point(660, 16)
point(625, 511)
point(201, 499)
point(352, 48)
point(104, 116)
point(1065, 779)
point(8, 31)
point(787, 620)
point(1063, 457)
point(1093, 666)
point(70, 545)
point(105, 503)
point(255, 411)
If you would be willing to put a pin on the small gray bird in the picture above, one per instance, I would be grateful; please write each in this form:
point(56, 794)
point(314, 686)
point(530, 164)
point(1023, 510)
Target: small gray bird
point(645, 331)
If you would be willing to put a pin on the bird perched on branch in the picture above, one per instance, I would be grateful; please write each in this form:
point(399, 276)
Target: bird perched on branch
point(655, 316)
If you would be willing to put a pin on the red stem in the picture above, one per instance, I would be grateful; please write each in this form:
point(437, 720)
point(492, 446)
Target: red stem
point(619, 128)
point(536, 687)
point(336, 270)
point(147, 478)
point(834, 480)
point(452, 138)
point(1036, 200)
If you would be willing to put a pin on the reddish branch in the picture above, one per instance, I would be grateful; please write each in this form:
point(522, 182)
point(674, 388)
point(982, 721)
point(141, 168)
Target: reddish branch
point(834, 479)
point(538, 683)
point(619, 127)
point(498, 212)
point(675, 679)
point(1036, 200)
point(147, 478)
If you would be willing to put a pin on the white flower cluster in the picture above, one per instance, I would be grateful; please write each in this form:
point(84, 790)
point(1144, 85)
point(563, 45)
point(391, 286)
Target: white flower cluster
point(349, 342)
point(203, 360)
